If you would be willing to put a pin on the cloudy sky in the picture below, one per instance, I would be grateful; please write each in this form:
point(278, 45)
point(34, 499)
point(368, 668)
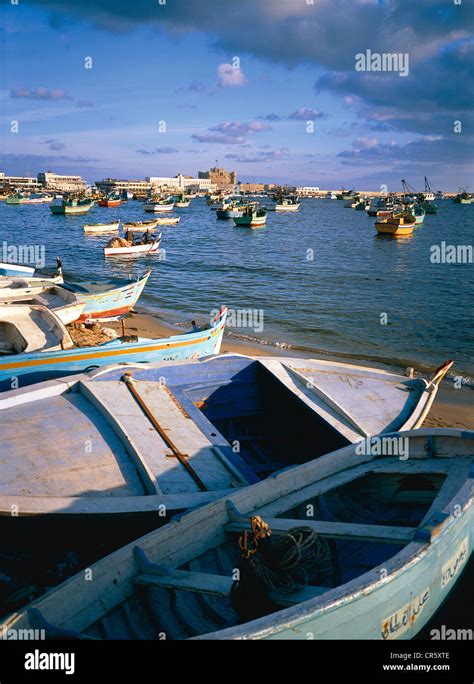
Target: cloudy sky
point(267, 87)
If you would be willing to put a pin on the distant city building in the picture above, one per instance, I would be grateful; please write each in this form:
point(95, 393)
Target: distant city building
point(12, 183)
point(55, 181)
point(307, 190)
point(220, 177)
point(138, 187)
point(179, 182)
point(255, 187)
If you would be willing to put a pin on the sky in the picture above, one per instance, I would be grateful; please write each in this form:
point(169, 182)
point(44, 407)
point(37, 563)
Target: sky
point(273, 89)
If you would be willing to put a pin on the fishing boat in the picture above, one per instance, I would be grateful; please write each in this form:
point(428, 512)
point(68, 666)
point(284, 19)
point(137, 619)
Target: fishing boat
point(145, 248)
point(362, 205)
point(353, 545)
point(16, 270)
point(37, 198)
point(168, 220)
point(233, 209)
point(71, 206)
point(428, 195)
point(419, 214)
point(108, 298)
point(30, 329)
point(111, 200)
point(463, 198)
point(21, 288)
point(42, 360)
point(140, 225)
point(101, 227)
point(16, 198)
point(197, 410)
point(398, 225)
point(379, 204)
point(158, 206)
point(429, 207)
point(66, 305)
point(439, 195)
point(181, 202)
point(252, 217)
point(288, 203)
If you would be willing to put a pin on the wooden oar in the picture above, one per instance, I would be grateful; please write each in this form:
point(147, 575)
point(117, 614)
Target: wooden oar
point(130, 382)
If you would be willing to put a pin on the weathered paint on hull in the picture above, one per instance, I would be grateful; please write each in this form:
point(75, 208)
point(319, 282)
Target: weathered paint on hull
point(400, 606)
point(44, 365)
point(113, 302)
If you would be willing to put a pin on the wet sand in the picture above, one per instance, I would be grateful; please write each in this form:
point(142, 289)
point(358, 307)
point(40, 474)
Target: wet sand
point(451, 408)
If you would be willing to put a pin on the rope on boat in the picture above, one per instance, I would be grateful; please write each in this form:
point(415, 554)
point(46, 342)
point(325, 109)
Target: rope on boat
point(283, 563)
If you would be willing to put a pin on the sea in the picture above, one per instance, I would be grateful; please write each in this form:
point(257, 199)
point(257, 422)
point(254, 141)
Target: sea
point(317, 282)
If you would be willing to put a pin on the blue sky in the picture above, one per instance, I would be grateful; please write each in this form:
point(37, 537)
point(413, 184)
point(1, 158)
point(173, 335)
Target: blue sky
point(238, 82)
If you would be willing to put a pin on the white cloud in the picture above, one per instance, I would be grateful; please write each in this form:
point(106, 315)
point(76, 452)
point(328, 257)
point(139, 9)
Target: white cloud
point(229, 76)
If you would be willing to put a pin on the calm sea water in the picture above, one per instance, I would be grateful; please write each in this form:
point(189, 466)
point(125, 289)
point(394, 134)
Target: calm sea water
point(322, 278)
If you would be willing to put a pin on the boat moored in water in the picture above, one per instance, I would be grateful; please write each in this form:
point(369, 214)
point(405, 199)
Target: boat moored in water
point(252, 217)
point(398, 225)
point(379, 543)
point(101, 227)
point(71, 206)
point(120, 246)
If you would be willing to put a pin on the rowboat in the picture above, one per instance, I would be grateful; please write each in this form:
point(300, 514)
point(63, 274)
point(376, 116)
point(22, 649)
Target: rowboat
point(229, 416)
point(37, 198)
point(108, 298)
point(182, 202)
point(71, 206)
point(461, 198)
point(287, 204)
point(112, 200)
point(358, 544)
point(16, 270)
point(141, 225)
point(397, 225)
point(159, 205)
point(101, 227)
point(44, 362)
point(143, 248)
point(252, 217)
point(66, 305)
point(168, 220)
point(17, 288)
point(26, 329)
point(419, 214)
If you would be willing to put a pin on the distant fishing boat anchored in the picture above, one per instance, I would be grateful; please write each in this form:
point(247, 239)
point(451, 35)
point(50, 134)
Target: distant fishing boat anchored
point(252, 217)
point(159, 205)
point(101, 227)
point(399, 224)
point(120, 246)
point(71, 206)
point(463, 197)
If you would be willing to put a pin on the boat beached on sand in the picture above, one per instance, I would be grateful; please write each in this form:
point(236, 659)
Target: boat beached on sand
point(108, 298)
point(165, 434)
point(30, 354)
point(358, 544)
point(67, 306)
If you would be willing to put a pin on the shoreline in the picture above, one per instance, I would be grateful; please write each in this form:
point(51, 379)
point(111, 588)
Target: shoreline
point(451, 408)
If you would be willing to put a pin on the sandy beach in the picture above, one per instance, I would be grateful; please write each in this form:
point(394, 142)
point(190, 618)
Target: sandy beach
point(452, 407)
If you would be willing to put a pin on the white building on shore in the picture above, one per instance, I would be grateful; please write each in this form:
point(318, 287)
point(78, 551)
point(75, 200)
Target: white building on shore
point(13, 183)
point(55, 181)
point(137, 187)
point(180, 182)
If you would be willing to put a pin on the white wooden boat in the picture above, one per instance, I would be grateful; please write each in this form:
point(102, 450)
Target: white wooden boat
point(167, 435)
point(16, 270)
point(140, 225)
point(168, 220)
point(378, 544)
point(159, 206)
point(135, 249)
point(101, 227)
point(26, 328)
point(21, 288)
point(66, 305)
point(182, 204)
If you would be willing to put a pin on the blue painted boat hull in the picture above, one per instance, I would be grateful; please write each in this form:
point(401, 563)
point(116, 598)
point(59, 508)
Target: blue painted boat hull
point(16, 270)
point(38, 366)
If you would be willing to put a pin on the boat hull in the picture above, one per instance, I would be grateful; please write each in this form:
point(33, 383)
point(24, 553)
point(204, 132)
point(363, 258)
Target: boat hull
point(38, 366)
point(16, 270)
point(110, 303)
point(152, 248)
point(158, 208)
point(70, 210)
point(110, 203)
